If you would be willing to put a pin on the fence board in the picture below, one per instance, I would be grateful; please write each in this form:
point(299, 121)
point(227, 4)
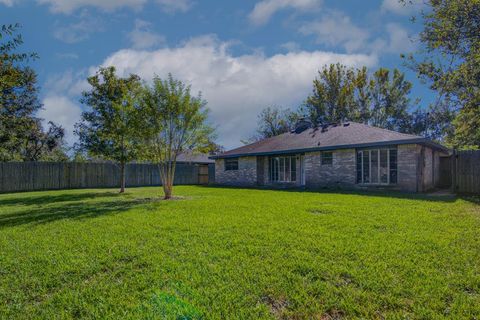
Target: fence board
point(466, 172)
point(32, 176)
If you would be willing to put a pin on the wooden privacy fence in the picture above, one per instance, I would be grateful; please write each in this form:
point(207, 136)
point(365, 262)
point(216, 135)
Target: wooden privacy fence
point(465, 174)
point(31, 176)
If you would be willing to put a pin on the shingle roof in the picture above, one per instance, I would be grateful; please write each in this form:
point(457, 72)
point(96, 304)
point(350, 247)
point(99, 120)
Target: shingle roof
point(337, 136)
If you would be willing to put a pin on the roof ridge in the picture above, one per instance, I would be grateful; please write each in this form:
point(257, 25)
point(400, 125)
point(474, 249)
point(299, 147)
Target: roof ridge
point(388, 130)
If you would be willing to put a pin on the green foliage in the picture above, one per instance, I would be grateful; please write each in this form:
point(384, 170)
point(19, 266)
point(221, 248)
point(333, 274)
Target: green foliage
point(341, 93)
point(22, 136)
point(450, 62)
point(110, 127)
point(174, 122)
point(332, 99)
point(273, 121)
point(229, 253)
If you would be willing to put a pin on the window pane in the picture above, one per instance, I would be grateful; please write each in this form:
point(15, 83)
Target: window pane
point(293, 168)
point(393, 166)
point(274, 169)
point(374, 166)
point(327, 158)
point(270, 169)
point(384, 166)
point(281, 176)
point(277, 164)
point(231, 164)
point(287, 169)
point(359, 167)
point(366, 167)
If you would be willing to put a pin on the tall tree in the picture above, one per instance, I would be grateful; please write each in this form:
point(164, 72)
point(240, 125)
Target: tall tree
point(273, 121)
point(22, 136)
point(390, 100)
point(110, 127)
point(332, 96)
point(341, 93)
point(175, 121)
point(449, 60)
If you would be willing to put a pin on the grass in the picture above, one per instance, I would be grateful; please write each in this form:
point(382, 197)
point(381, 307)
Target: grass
point(225, 253)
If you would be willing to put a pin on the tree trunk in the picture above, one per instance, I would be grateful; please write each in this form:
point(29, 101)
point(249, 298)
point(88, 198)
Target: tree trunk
point(167, 180)
point(122, 177)
point(167, 190)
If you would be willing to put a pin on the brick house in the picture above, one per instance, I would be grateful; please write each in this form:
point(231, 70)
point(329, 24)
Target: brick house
point(347, 155)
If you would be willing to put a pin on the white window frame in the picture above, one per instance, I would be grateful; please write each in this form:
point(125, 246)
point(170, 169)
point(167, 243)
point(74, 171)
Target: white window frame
point(361, 151)
point(271, 168)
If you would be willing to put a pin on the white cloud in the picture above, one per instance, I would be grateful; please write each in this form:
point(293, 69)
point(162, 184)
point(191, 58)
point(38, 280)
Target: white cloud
point(264, 10)
point(68, 83)
point(397, 7)
point(79, 31)
point(7, 3)
point(336, 29)
point(61, 101)
point(399, 39)
point(142, 37)
point(68, 6)
point(290, 46)
point(236, 87)
point(61, 110)
point(172, 6)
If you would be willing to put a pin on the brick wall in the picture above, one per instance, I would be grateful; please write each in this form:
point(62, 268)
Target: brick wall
point(415, 173)
point(246, 175)
point(407, 162)
point(428, 170)
point(341, 173)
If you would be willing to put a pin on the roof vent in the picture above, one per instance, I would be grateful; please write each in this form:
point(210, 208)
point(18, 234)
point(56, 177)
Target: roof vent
point(346, 124)
point(302, 125)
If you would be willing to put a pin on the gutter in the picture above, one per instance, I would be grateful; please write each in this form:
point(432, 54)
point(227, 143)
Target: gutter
point(422, 141)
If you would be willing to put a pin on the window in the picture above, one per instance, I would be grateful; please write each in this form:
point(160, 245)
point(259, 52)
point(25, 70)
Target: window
point(377, 166)
point(231, 164)
point(327, 158)
point(283, 169)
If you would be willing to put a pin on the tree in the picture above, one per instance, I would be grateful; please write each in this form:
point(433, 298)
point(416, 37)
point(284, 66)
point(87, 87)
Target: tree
point(175, 121)
point(332, 99)
point(41, 145)
point(390, 101)
point(110, 128)
point(22, 136)
point(433, 122)
point(341, 93)
point(273, 121)
point(449, 60)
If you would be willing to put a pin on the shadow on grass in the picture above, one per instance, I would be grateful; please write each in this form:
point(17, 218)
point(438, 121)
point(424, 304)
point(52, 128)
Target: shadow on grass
point(78, 210)
point(368, 193)
point(48, 199)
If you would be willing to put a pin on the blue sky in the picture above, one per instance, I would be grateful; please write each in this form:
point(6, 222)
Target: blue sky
point(242, 55)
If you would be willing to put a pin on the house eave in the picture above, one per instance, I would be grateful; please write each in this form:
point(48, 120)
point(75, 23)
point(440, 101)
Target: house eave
point(422, 141)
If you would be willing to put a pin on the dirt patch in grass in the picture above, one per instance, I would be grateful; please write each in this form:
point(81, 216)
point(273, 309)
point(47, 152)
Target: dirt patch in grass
point(333, 314)
point(277, 306)
point(320, 211)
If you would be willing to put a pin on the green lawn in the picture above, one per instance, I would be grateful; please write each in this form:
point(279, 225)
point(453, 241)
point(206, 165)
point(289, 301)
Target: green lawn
point(223, 253)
